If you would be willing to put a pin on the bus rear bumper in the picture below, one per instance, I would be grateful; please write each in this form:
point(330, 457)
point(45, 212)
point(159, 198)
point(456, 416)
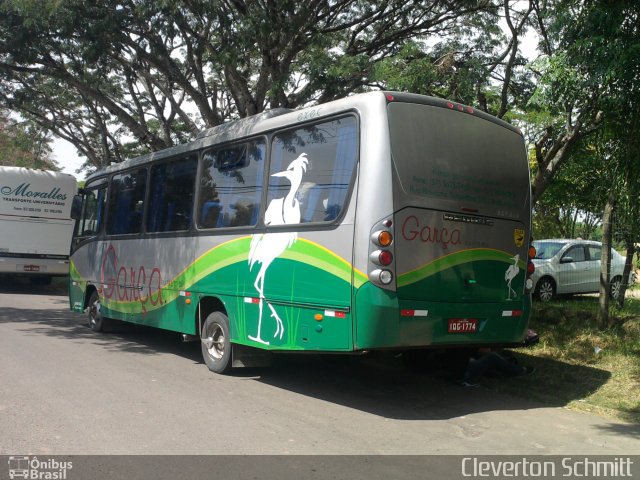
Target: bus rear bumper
point(34, 267)
point(385, 321)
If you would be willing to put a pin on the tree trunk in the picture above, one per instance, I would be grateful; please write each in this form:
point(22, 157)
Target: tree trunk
point(605, 261)
point(628, 267)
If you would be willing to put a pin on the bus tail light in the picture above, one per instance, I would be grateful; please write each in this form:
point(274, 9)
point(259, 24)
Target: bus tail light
point(384, 277)
point(382, 255)
point(531, 253)
point(382, 238)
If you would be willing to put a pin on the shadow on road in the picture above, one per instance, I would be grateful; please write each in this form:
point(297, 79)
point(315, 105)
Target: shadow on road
point(375, 383)
point(66, 325)
point(25, 286)
point(381, 385)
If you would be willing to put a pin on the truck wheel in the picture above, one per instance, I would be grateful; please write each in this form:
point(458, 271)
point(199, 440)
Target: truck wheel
point(216, 343)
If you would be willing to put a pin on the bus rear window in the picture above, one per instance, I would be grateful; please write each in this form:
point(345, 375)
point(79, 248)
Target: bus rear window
point(451, 160)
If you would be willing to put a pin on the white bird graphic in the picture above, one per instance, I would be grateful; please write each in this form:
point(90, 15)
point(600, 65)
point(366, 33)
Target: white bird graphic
point(511, 273)
point(266, 247)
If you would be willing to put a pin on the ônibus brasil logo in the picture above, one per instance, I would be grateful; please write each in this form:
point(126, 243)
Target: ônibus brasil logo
point(33, 468)
point(24, 190)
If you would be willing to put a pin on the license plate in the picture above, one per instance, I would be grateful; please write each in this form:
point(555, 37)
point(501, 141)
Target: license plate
point(31, 268)
point(463, 325)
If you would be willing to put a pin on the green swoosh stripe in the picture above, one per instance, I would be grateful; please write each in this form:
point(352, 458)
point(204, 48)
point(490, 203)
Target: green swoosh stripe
point(453, 260)
point(233, 252)
point(73, 272)
point(320, 257)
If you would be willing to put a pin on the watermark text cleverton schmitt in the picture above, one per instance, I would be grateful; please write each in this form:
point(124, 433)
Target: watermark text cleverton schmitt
point(573, 467)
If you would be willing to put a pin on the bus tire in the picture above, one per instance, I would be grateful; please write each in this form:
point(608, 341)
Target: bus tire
point(215, 342)
point(97, 322)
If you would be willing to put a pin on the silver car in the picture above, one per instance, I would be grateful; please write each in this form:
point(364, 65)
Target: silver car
point(572, 266)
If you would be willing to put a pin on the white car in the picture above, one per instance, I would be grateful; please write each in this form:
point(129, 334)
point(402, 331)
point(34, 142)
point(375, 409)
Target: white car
point(572, 266)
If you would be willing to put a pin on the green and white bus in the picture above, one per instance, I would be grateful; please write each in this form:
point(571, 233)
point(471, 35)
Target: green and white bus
point(380, 221)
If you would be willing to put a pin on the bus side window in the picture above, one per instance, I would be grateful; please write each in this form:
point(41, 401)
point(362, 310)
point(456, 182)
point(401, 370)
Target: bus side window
point(171, 199)
point(126, 202)
point(93, 208)
point(231, 185)
point(330, 149)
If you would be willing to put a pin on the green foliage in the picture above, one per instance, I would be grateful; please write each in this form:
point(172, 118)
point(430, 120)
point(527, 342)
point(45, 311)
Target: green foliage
point(23, 144)
point(100, 74)
point(467, 65)
point(572, 204)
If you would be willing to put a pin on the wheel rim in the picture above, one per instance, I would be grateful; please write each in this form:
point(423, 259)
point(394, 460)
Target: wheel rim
point(214, 341)
point(615, 289)
point(94, 312)
point(546, 291)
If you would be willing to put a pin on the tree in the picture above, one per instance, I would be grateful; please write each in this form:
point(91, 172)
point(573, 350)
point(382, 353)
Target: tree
point(476, 63)
point(572, 204)
point(602, 58)
point(23, 144)
point(101, 73)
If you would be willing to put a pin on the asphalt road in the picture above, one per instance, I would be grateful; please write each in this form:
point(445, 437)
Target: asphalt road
point(67, 390)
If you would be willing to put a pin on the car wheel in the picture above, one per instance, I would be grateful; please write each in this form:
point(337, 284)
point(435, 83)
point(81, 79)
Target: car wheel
point(97, 322)
point(545, 290)
point(215, 342)
point(615, 287)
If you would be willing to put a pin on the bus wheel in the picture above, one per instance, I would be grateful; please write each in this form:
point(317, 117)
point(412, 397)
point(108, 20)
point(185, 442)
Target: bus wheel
point(97, 322)
point(215, 342)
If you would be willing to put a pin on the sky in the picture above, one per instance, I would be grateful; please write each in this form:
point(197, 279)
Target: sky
point(65, 154)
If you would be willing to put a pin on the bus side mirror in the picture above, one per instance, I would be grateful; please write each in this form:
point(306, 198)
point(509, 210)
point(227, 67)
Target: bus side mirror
point(76, 207)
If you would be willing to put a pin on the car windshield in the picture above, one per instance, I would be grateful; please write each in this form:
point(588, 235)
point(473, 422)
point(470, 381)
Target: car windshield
point(546, 250)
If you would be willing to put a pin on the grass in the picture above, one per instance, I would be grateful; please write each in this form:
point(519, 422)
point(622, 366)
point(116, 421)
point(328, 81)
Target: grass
point(579, 365)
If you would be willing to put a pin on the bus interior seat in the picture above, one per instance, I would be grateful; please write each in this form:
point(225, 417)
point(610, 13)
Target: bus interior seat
point(332, 212)
point(122, 218)
point(311, 204)
point(168, 223)
point(210, 214)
